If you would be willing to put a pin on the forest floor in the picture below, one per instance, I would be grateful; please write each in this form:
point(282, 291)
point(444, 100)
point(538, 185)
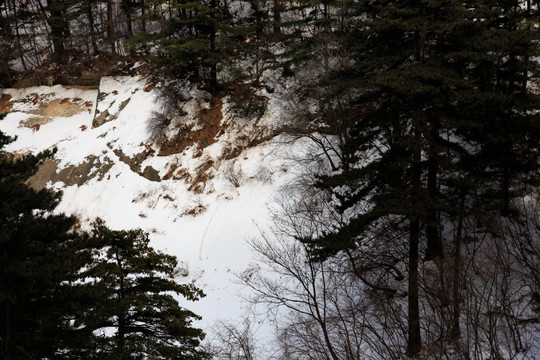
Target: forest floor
point(80, 70)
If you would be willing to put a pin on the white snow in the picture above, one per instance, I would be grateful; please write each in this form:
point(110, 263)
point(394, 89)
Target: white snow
point(210, 244)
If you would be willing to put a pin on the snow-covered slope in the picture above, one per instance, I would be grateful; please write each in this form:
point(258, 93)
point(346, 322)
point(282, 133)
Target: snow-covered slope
point(199, 200)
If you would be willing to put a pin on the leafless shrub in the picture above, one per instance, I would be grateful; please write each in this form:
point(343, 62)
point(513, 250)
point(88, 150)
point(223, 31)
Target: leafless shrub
point(234, 174)
point(490, 311)
point(169, 97)
point(323, 309)
point(232, 341)
point(479, 302)
point(157, 125)
point(264, 174)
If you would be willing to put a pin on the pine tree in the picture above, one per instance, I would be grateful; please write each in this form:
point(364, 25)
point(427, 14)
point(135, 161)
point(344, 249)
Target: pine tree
point(58, 22)
point(6, 42)
point(190, 41)
point(426, 86)
point(134, 313)
point(499, 118)
point(36, 262)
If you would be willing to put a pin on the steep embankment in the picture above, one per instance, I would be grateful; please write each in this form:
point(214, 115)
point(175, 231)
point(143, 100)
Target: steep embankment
point(201, 191)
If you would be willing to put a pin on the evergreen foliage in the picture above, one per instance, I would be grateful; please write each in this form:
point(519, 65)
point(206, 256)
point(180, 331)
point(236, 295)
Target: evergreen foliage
point(437, 98)
point(104, 295)
point(431, 109)
point(135, 314)
point(36, 262)
point(58, 22)
point(190, 45)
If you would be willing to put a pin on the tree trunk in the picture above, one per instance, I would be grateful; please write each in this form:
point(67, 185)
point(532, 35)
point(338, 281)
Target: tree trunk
point(121, 337)
point(91, 25)
point(18, 37)
point(59, 27)
point(5, 27)
point(143, 14)
point(7, 340)
point(110, 26)
point(455, 332)
point(434, 248)
point(414, 341)
point(505, 208)
point(129, 23)
point(122, 314)
point(213, 53)
point(277, 20)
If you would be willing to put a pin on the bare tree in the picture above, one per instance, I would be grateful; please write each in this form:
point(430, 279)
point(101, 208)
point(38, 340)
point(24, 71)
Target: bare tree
point(232, 341)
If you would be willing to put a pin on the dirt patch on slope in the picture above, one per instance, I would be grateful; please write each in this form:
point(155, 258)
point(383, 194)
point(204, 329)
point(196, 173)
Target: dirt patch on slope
point(92, 168)
point(72, 175)
point(135, 162)
point(79, 69)
point(47, 111)
point(202, 175)
point(60, 108)
point(101, 118)
point(210, 119)
point(198, 180)
point(5, 103)
point(44, 109)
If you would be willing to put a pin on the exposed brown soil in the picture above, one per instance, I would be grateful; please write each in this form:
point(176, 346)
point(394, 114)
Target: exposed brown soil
point(198, 183)
point(198, 180)
point(101, 118)
point(71, 175)
point(47, 110)
point(211, 125)
point(80, 69)
point(171, 172)
point(231, 153)
point(60, 108)
point(207, 135)
point(199, 209)
point(5, 103)
point(136, 161)
point(204, 132)
point(35, 98)
point(150, 87)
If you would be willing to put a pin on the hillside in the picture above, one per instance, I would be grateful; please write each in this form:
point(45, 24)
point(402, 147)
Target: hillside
point(365, 173)
point(200, 193)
